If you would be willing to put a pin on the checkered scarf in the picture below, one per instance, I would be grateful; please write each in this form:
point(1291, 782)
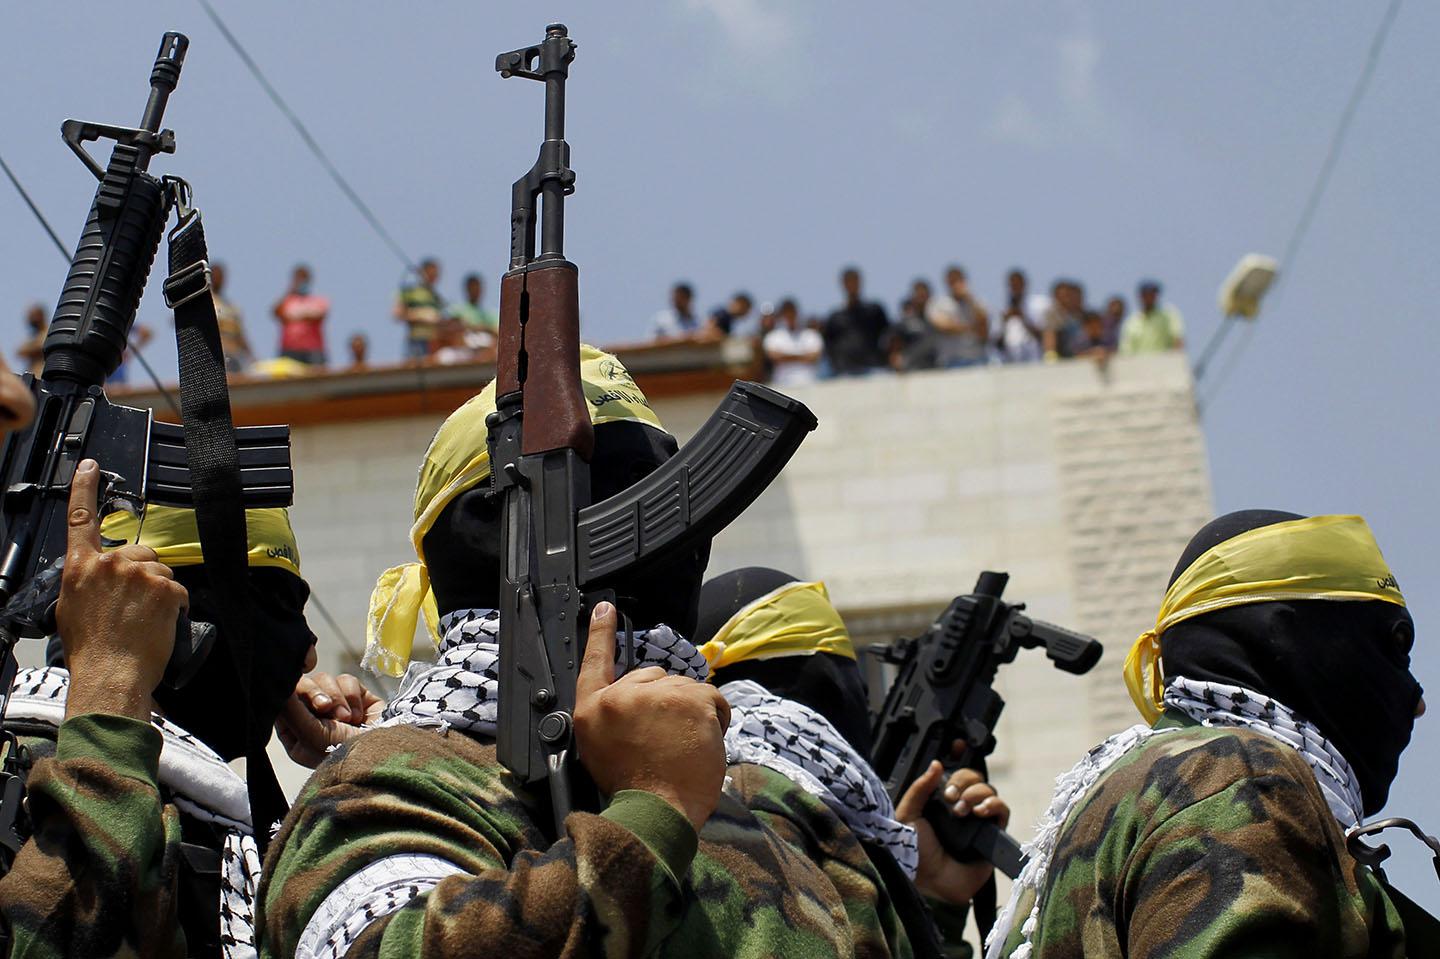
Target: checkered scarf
point(193, 777)
point(460, 688)
point(802, 745)
point(1210, 704)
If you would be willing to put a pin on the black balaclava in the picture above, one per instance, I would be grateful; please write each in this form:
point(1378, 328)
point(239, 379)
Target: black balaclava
point(831, 685)
point(1343, 665)
point(211, 705)
point(462, 549)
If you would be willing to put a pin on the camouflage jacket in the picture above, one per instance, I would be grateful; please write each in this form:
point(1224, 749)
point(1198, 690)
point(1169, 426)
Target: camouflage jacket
point(633, 880)
point(98, 878)
point(1208, 843)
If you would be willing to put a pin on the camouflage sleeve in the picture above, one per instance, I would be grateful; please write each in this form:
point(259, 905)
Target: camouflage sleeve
point(808, 825)
point(413, 842)
point(1203, 843)
point(1245, 871)
point(98, 877)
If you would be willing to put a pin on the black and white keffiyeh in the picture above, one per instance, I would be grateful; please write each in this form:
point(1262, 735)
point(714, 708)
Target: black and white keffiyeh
point(1210, 704)
point(460, 688)
point(802, 745)
point(459, 691)
point(196, 779)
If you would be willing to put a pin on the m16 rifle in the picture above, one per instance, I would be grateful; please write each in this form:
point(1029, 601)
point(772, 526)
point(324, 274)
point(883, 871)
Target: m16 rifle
point(944, 694)
point(140, 460)
point(560, 550)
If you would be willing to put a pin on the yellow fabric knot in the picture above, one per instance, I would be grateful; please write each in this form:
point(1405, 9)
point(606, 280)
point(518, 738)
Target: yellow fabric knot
point(1322, 557)
point(796, 619)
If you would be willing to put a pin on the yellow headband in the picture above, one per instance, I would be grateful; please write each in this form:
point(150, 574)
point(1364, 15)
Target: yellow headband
point(174, 537)
point(459, 460)
point(1323, 557)
point(794, 620)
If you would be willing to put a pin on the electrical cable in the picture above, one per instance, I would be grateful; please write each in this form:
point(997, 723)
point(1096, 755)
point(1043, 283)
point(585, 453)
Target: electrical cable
point(306, 136)
point(160, 387)
point(1322, 180)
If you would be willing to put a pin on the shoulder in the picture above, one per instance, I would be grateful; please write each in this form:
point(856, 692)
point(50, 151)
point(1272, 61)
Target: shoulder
point(1214, 781)
point(1185, 766)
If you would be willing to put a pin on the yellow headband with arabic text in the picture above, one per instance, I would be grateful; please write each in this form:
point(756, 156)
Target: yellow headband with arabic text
point(1323, 557)
point(458, 460)
point(793, 620)
point(173, 535)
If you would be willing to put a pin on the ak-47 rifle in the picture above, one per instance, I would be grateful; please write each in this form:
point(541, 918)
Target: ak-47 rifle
point(560, 550)
point(140, 460)
point(944, 693)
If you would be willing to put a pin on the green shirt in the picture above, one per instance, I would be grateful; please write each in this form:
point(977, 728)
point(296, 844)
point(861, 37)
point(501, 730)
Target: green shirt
point(1159, 330)
point(475, 316)
point(420, 301)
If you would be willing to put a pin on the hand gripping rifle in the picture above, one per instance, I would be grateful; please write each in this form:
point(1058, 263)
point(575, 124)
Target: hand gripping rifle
point(140, 460)
point(560, 550)
point(945, 693)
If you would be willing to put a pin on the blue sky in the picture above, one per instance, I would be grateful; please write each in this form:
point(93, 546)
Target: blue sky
point(740, 143)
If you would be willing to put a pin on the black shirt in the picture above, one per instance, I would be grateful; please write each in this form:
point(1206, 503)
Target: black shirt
point(855, 338)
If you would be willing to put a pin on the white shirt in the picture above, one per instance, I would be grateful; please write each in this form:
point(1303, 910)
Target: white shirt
point(783, 342)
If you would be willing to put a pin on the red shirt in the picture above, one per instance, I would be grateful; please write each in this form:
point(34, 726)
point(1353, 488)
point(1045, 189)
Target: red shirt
point(301, 321)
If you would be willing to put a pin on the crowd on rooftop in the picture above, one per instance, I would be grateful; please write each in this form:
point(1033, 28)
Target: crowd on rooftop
point(929, 330)
point(437, 330)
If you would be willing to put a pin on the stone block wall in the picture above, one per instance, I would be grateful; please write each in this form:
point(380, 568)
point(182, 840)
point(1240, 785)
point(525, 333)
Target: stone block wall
point(1083, 484)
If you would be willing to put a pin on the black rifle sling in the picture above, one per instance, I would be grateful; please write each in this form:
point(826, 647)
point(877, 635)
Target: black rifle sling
point(218, 495)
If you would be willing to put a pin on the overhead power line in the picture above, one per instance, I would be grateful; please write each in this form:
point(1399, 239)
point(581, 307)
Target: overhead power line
point(1322, 179)
point(306, 136)
point(160, 387)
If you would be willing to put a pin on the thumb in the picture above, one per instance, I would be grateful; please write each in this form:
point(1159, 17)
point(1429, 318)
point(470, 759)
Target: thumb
point(84, 509)
point(598, 668)
point(912, 803)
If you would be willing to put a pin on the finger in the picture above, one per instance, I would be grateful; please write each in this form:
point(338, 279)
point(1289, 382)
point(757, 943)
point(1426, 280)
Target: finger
point(330, 698)
point(722, 706)
point(598, 668)
point(648, 674)
point(310, 693)
point(136, 553)
point(912, 803)
point(305, 730)
point(977, 793)
point(354, 692)
point(959, 781)
point(84, 524)
point(177, 596)
point(994, 808)
point(158, 570)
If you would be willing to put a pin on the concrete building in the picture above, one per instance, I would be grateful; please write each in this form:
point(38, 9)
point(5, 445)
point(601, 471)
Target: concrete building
point(1082, 482)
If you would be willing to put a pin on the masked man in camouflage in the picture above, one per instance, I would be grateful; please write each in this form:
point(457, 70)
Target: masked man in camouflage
point(1278, 694)
point(412, 840)
point(141, 839)
point(782, 656)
